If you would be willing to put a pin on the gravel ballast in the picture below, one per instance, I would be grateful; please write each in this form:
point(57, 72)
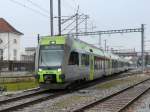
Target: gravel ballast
point(75, 100)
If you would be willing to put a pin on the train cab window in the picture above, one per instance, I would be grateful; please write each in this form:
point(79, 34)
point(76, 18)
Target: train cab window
point(74, 58)
point(85, 59)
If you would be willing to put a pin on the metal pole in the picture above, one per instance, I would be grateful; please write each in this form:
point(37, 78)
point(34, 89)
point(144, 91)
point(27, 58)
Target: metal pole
point(86, 19)
point(142, 47)
point(59, 17)
point(92, 27)
point(8, 47)
point(100, 41)
point(105, 44)
point(38, 38)
point(51, 18)
point(77, 24)
point(107, 48)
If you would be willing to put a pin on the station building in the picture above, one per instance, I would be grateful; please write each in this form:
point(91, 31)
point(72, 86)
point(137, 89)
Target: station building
point(9, 42)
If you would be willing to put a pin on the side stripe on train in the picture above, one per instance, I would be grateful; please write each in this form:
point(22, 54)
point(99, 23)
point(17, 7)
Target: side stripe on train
point(91, 67)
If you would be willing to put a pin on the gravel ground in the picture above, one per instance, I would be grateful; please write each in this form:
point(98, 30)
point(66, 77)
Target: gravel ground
point(6, 95)
point(80, 98)
point(141, 105)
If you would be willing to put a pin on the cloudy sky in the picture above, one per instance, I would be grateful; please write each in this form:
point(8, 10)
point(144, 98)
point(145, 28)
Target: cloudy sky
point(33, 19)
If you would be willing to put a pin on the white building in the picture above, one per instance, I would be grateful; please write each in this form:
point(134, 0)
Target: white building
point(9, 41)
point(29, 54)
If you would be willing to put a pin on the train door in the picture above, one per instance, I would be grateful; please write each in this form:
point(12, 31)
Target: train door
point(91, 67)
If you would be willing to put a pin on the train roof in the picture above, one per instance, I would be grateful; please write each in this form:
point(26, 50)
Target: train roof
point(78, 45)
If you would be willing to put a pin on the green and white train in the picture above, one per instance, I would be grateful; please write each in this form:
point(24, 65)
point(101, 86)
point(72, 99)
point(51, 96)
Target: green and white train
point(61, 61)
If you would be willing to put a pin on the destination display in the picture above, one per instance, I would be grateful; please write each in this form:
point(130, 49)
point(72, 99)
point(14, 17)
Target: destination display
point(54, 47)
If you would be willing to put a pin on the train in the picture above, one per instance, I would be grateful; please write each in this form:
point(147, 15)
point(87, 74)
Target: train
point(63, 60)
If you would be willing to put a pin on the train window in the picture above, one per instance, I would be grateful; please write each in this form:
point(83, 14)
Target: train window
point(95, 63)
point(101, 64)
point(85, 59)
point(74, 58)
point(114, 63)
point(107, 64)
point(98, 63)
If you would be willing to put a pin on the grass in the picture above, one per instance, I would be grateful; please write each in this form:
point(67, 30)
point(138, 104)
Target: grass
point(113, 83)
point(69, 101)
point(109, 84)
point(16, 79)
point(16, 86)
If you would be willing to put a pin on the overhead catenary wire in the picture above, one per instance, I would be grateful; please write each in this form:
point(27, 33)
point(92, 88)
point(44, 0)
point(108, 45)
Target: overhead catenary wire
point(71, 22)
point(68, 25)
point(75, 26)
point(29, 8)
point(68, 4)
point(38, 6)
point(68, 19)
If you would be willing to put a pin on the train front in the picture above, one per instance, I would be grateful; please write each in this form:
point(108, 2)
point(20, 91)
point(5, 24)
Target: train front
point(49, 62)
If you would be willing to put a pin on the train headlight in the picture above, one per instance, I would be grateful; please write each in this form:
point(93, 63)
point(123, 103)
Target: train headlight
point(59, 69)
point(40, 69)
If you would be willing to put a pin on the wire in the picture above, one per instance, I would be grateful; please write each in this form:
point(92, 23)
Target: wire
point(71, 22)
point(33, 10)
point(38, 6)
point(68, 25)
point(74, 1)
point(68, 19)
point(75, 26)
point(69, 6)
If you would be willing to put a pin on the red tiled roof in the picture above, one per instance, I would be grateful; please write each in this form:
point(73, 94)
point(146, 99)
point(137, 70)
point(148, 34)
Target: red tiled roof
point(6, 27)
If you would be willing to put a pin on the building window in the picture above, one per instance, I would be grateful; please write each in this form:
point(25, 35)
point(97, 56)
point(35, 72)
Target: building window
point(15, 54)
point(1, 41)
point(15, 41)
point(1, 54)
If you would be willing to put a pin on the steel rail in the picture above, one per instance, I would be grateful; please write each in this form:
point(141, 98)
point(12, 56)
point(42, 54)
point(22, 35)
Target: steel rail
point(26, 95)
point(50, 96)
point(101, 101)
point(31, 102)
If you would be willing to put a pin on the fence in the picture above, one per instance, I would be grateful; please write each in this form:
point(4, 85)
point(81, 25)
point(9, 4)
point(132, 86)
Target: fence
point(16, 66)
point(17, 83)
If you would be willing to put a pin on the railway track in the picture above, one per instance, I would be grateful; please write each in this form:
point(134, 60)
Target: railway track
point(21, 101)
point(119, 101)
